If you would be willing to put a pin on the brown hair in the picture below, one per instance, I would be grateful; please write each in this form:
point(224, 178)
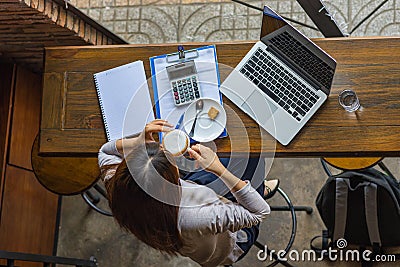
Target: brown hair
point(150, 220)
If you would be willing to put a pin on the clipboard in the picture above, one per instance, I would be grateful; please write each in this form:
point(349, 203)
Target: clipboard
point(205, 58)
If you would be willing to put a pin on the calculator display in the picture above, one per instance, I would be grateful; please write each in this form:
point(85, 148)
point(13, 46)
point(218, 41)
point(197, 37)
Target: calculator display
point(181, 70)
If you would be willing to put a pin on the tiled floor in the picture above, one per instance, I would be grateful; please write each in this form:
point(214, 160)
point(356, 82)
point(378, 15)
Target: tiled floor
point(84, 232)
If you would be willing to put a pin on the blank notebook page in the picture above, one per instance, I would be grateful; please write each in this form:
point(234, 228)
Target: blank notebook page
point(123, 92)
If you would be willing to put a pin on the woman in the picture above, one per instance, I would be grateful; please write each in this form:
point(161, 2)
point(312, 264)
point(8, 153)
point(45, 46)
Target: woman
point(178, 216)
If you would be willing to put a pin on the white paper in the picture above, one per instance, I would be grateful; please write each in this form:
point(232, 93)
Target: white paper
point(208, 81)
point(124, 90)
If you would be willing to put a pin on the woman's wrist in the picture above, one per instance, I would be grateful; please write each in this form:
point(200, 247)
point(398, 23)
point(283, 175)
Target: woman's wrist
point(232, 182)
point(125, 144)
point(219, 168)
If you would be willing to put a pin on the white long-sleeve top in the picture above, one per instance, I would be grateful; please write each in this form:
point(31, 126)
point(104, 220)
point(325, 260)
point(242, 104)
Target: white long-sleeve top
point(209, 224)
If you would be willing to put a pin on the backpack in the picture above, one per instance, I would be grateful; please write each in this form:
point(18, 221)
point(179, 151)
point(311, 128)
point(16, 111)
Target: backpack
point(361, 207)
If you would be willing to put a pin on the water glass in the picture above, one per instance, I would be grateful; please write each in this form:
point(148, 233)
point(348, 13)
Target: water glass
point(349, 101)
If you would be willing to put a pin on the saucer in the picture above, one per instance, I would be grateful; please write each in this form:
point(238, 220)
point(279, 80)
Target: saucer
point(206, 129)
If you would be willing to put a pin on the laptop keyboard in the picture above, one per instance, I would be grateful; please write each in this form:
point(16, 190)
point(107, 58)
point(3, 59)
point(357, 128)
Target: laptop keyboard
point(279, 83)
point(305, 59)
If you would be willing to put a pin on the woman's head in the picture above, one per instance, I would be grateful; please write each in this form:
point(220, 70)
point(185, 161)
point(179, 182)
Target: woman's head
point(147, 169)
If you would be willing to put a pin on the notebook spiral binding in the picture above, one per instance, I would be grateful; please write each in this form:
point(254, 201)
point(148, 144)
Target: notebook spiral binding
point(101, 108)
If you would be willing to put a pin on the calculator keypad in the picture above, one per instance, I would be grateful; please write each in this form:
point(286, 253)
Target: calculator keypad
point(185, 90)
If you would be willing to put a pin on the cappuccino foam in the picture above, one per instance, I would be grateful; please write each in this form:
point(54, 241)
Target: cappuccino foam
point(176, 142)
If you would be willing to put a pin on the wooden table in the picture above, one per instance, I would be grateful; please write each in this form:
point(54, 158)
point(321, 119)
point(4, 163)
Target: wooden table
point(71, 123)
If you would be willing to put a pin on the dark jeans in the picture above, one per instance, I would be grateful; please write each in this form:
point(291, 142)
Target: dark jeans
point(252, 170)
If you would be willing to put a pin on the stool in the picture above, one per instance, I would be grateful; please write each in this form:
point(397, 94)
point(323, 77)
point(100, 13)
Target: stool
point(354, 164)
point(69, 176)
point(290, 207)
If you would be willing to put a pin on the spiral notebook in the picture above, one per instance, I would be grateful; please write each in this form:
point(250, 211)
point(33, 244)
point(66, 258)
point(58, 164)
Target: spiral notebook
point(123, 93)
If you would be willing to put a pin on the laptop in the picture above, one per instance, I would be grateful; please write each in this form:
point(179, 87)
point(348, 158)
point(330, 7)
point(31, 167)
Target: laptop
point(282, 81)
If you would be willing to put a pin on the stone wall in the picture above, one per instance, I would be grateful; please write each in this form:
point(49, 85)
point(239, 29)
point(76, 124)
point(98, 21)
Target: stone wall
point(150, 21)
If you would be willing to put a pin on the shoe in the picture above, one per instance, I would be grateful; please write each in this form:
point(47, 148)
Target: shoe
point(271, 186)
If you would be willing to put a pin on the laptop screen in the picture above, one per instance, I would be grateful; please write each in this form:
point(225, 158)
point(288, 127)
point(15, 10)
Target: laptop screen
point(300, 51)
point(271, 21)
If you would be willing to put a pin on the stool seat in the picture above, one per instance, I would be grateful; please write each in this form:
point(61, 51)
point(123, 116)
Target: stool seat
point(64, 175)
point(352, 164)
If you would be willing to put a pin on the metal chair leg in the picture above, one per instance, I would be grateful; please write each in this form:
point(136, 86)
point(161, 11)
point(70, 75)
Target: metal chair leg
point(100, 190)
point(307, 209)
point(386, 170)
point(325, 166)
point(92, 200)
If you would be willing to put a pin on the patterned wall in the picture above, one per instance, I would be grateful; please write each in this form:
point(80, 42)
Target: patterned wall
point(166, 21)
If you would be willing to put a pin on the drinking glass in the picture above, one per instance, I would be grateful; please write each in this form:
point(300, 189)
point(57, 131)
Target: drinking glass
point(349, 101)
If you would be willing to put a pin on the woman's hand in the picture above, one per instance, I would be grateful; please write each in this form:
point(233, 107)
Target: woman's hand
point(210, 162)
point(125, 145)
point(207, 159)
point(156, 126)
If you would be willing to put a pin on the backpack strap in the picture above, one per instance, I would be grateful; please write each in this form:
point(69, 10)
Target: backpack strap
point(371, 213)
point(390, 184)
point(340, 209)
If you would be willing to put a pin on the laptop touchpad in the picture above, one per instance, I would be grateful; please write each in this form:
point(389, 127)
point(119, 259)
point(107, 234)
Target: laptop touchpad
point(259, 107)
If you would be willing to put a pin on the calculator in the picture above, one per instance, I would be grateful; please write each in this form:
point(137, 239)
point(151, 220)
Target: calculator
point(184, 82)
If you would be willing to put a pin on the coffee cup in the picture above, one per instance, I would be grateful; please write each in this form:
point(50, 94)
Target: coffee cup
point(176, 142)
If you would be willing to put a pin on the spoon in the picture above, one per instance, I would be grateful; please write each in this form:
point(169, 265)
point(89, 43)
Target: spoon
point(199, 108)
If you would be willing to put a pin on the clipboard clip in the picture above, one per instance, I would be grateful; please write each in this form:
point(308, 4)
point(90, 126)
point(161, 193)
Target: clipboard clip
point(182, 55)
